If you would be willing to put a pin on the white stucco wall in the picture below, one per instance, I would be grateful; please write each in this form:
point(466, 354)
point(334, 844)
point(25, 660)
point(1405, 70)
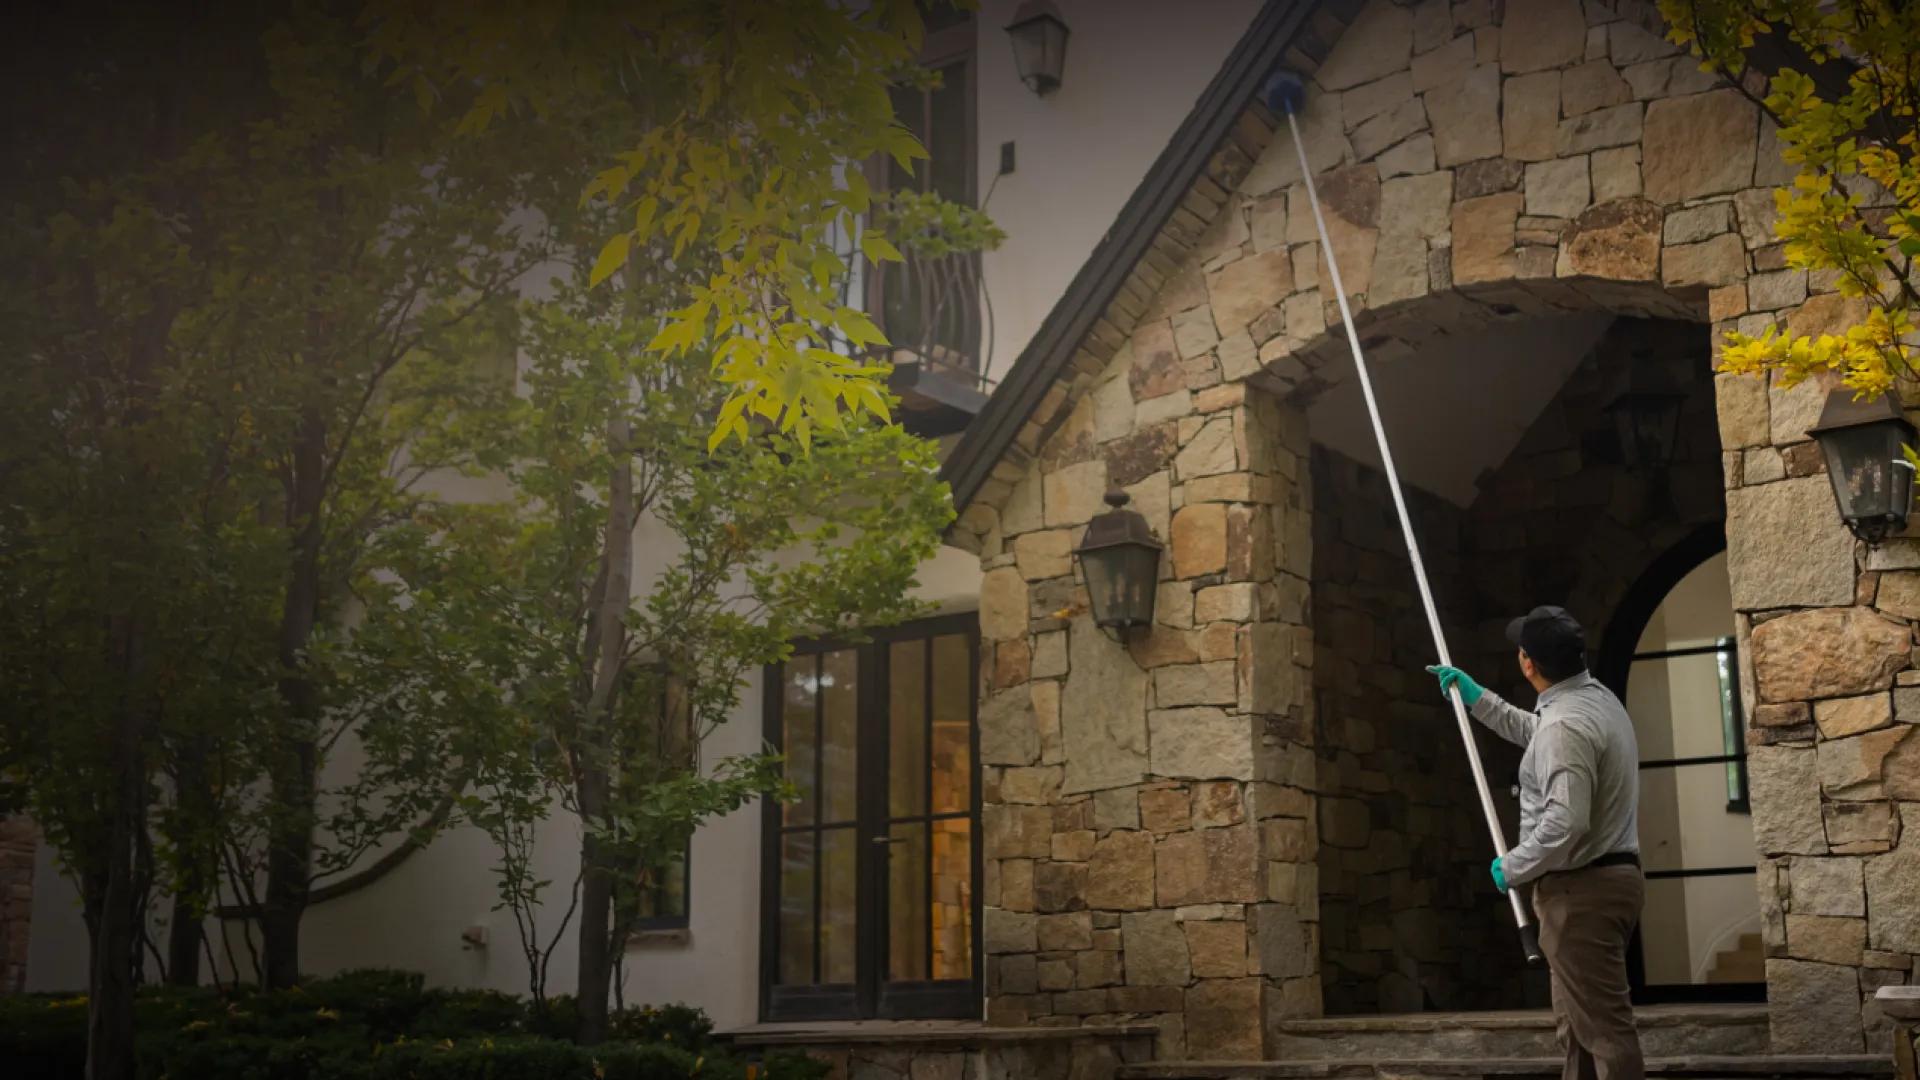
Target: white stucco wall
point(1134, 70)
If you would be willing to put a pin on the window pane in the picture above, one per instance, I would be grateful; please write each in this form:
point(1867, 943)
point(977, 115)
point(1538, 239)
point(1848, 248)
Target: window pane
point(839, 890)
point(796, 908)
point(840, 723)
point(1702, 930)
point(800, 679)
point(952, 724)
point(907, 902)
point(1676, 705)
point(907, 728)
point(947, 143)
point(1685, 823)
point(952, 899)
point(663, 895)
point(910, 106)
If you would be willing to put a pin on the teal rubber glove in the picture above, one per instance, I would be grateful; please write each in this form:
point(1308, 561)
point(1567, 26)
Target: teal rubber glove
point(1451, 677)
point(1499, 877)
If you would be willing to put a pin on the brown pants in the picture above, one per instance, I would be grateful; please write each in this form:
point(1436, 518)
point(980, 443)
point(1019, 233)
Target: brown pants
point(1586, 920)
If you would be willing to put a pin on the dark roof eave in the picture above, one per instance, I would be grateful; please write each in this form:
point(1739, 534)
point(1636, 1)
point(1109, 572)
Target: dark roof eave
point(1126, 242)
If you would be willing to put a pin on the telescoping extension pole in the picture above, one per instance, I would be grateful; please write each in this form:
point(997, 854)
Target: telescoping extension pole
point(1284, 91)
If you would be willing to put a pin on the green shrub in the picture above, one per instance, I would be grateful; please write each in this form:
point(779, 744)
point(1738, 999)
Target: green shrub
point(376, 1025)
point(672, 1025)
point(43, 1037)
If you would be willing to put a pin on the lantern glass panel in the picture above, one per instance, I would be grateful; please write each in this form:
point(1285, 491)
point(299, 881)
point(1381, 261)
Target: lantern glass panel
point(1867, 484)
point(1040, 52)
point(1121, 580)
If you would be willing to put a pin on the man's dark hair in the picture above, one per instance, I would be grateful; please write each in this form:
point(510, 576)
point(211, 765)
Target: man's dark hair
point(1559, 664)
point(1553, 640)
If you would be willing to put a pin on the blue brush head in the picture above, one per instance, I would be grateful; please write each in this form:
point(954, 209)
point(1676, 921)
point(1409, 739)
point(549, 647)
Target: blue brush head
point(1284, 91)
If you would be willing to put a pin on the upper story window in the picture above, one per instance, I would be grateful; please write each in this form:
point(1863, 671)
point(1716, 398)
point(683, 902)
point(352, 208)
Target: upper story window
point(933, 306)
point(941, 117)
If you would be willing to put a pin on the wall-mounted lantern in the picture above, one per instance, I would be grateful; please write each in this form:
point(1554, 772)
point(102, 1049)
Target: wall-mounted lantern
point(1864, 442)
point(1121, 559)
point(1039, 45)
point(1646, 417)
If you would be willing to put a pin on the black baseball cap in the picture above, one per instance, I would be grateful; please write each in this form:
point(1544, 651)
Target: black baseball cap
point(1550, 636)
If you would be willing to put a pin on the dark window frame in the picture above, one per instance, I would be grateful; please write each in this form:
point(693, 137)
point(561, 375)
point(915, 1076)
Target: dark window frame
point(957, 44)
point(657, 894)
point(1733, 721)
point(872, 995)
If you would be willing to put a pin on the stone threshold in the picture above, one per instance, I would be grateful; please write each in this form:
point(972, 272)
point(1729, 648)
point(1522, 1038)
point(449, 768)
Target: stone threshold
point(1703, 1067)
point(921, 1034)
point(1652, 1016)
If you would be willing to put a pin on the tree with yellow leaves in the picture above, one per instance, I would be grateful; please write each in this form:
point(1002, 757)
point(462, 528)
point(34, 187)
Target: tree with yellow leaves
point(756, 117)
point(1846, 95)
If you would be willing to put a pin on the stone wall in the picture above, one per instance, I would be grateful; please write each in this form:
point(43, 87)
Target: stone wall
point(1148, 817)
point(1828, 629)
point(1479, 162)
point(1409, 920)
point(18, 839)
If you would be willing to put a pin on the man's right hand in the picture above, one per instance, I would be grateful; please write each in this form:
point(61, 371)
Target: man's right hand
point(1452, 678)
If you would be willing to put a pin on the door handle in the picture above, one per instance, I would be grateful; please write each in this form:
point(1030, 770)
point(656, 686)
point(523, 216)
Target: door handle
point(891, 839)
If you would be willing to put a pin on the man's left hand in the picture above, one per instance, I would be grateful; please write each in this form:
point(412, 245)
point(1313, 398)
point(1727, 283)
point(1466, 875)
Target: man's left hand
point(1499, 877)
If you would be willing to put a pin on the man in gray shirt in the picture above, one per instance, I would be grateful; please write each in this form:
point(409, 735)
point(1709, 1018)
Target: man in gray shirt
point(1579, 836)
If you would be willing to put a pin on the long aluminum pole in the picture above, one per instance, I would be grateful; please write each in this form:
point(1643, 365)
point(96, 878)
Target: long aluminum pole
point(1529, 935)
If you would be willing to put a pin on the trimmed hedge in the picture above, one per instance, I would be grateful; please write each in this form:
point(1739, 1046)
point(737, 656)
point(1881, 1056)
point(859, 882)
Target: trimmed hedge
point(376, 1025)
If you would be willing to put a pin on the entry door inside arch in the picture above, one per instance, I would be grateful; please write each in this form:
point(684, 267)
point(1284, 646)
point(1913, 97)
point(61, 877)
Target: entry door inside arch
point(1700, 930)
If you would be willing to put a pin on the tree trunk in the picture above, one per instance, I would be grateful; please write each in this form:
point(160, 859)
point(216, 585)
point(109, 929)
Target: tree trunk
point(183, 943)
point(115, 900)
point(185, 934)
point(593, 779)
point(296, 762)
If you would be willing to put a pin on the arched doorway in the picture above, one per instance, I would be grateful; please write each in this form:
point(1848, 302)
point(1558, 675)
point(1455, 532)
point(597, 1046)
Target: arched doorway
point(1669, 652)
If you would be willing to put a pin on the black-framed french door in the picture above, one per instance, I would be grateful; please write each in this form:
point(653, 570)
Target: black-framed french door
point(868, 902)
point(1679, 879)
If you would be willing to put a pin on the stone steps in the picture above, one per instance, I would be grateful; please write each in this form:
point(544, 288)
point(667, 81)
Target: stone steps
point(1692, 1067)
point(1744, 963)
point(1666, 1032)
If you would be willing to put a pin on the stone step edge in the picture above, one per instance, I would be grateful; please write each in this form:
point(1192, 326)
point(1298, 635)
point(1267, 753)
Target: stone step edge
point(1542, 1020)
point(1700, 1067)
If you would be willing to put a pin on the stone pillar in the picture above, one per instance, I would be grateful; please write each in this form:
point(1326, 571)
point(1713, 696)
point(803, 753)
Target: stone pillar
point(1827, 629)
point(1149, 829)
point(18, 839)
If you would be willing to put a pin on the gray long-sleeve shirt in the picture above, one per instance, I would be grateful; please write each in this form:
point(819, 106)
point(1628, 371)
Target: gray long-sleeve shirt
point(1579, 777)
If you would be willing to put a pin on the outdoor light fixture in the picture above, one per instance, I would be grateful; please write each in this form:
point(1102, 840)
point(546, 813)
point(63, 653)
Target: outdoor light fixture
point(1864, 442)
point(1646, 416)
point(1121, 558)
point(1039, 45)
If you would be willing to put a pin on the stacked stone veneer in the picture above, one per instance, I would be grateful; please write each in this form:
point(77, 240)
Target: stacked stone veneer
point(1152, 840)
point(1149, 815)
point(18, 839)
point(1408, 921)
